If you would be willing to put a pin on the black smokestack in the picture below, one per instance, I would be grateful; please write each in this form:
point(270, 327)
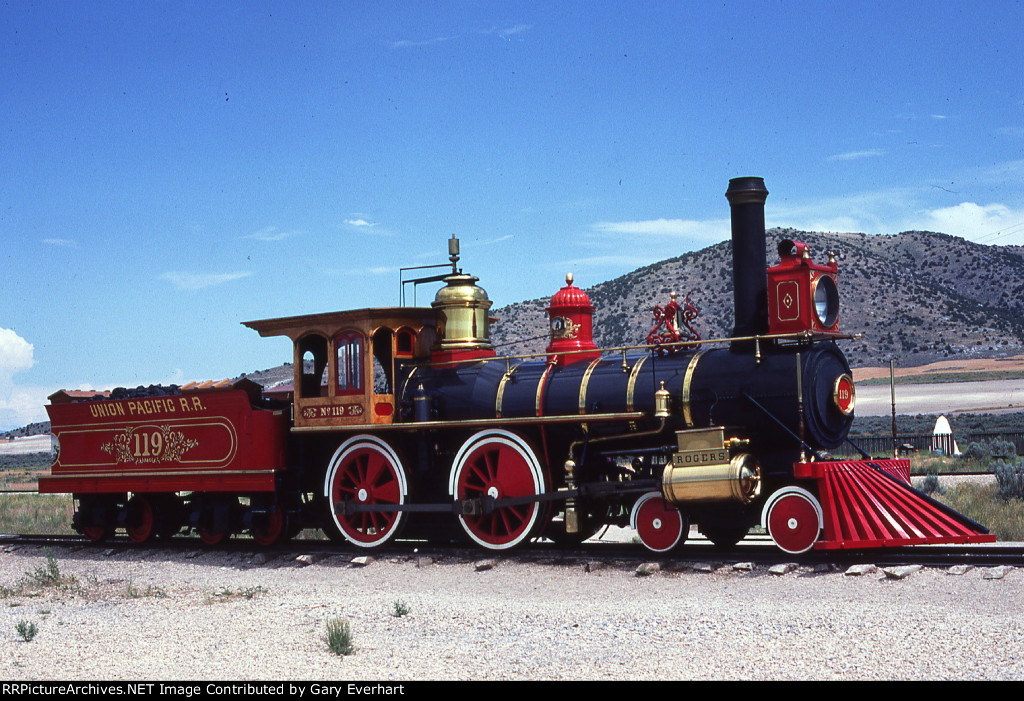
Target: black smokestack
point(750, 284)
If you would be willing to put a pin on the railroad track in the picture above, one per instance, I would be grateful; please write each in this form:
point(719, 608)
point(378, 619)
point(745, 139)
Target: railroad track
point(757, 550)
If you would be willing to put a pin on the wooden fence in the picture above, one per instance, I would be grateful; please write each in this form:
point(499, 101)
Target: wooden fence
point(926, 442)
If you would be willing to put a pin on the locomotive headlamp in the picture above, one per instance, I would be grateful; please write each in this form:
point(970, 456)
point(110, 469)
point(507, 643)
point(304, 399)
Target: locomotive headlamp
point(826, 301)
point(802, 295)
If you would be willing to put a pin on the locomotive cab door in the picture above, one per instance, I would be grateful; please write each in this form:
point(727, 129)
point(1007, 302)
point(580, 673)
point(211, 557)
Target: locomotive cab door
point(383, 378)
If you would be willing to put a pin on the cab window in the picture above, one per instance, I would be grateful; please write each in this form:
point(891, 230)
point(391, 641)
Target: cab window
point(313, 359)
point(350, 361)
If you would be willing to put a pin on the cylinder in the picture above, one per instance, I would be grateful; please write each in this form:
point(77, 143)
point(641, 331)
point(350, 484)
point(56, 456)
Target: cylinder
point(738, 480)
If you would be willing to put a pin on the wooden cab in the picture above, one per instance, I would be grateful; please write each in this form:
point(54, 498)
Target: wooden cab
point(347, 363)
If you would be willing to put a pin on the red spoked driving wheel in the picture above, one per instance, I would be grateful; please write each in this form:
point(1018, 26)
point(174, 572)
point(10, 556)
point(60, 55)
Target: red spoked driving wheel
point(366, 471)
point(793, 519)
point(498, 465)
point(659, 525)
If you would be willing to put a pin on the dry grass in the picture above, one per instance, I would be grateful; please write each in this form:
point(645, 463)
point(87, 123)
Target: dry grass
point(1004, 517)
point(922, 464)
point(22, 472)
point(36, 513)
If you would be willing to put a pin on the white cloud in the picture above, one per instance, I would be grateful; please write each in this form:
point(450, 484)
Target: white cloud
point(405, 43)
point(15, 353)
point(505, 32)
point(359, 272)
point(514, 29)
point(62, 243)
point(271, 233)
point(711, 231)
point(19, 405)
point(857, 155)
point(902, 209)
point(198, 281)
point(631, 244)
point(982, 223)
point(359, 222)
point(871, 212)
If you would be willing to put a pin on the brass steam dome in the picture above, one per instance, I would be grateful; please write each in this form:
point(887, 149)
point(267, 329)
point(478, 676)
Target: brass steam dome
point(462, 320)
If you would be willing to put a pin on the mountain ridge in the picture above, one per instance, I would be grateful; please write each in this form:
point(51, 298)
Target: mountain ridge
point(917, 297)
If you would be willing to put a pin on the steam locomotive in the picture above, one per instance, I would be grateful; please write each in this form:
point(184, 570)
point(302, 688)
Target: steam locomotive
point(405, 422)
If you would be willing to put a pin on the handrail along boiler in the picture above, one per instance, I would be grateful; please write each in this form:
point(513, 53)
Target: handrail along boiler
point(406, 420)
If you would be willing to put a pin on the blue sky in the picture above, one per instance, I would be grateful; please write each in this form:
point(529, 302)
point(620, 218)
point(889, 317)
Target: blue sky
point(171, 169)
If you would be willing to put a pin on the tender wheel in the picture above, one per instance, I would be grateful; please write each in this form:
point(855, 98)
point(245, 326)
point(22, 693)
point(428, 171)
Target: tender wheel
point(659, 525)
point(141, 519)
point(724, 536)
point(95, 517)
point(274, 527)
point(97, 534)
point(215, 518)
point(212, 536)
point(497, 465)
point(365, 471)
point(170, 515)
point(793, 519)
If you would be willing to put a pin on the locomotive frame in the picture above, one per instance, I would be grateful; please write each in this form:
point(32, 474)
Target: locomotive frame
point(405, 420)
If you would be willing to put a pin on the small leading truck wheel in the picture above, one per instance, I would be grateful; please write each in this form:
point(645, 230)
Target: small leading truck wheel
point(659, 525)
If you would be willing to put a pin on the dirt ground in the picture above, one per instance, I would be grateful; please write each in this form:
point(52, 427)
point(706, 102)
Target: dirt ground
point(964, 365)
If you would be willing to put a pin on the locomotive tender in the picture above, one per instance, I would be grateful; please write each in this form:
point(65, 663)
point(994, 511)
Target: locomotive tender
point(405, 421)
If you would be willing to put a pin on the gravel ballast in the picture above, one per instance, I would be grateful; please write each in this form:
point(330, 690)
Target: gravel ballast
point(162, 615)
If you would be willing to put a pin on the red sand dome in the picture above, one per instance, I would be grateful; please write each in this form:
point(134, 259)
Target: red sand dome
point(571, 319)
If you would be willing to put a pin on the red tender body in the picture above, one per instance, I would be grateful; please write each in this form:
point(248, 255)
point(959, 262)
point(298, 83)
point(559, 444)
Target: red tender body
point(196, 441)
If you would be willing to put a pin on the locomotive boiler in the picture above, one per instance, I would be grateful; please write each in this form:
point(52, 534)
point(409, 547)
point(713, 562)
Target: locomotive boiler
point(405, 422)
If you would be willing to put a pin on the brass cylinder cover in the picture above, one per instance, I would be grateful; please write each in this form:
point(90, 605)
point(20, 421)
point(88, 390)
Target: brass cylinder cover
point(737, 480)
